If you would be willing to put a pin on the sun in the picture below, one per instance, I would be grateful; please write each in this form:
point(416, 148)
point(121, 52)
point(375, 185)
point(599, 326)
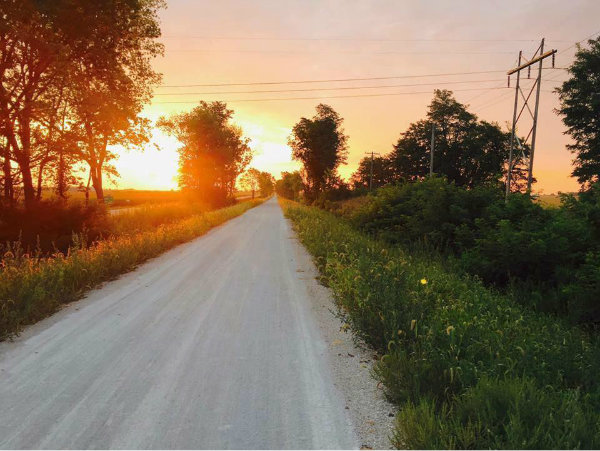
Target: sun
point(154, 167)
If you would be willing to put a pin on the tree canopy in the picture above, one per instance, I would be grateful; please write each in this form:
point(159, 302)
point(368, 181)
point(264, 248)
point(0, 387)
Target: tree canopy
point(289, 185)
point(321, 145)
point(213, 151)
point(580, 107)
point(467, 152)
point(74, 76)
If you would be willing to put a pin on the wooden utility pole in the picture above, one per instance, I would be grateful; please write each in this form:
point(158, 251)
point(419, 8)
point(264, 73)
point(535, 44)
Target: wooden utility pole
point(371, 177)
point(432, 149)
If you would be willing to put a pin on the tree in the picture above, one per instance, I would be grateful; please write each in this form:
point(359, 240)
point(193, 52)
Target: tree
point(250, 180)
point(321, 145)
point(113, 81)
point(580, 107)
point(468, 152)
point(33, 59)
point(213, 151)
point(255, 180)
point(88, 60)
point(382, 173)
point(289, 185)
point(266, 185)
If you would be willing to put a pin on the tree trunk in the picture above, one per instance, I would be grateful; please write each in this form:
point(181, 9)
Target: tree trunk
point(9, 194)
point(97, 183)
point(40, 179)
point(28, 191)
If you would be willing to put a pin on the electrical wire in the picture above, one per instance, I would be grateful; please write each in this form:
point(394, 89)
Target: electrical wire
point(331, 80)
point(326, 97)
point(323, 89)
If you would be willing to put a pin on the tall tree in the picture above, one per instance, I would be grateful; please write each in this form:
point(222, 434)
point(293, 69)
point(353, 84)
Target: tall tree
point(289, 185)
point(266, 184)
point(580, 107)
point(114, 79)
point(213, 151)
point(33, 58)
point(321, 145)
point(93, 56)
point(467, 152)
point(250, 180)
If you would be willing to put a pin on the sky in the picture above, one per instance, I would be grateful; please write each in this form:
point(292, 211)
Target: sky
point(254, 41)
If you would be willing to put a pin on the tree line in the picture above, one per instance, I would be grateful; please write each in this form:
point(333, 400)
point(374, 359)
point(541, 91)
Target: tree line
point(74, 77)
point(468, 152)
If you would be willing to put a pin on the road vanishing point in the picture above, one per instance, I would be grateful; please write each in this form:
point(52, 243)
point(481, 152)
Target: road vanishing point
point(211, 345)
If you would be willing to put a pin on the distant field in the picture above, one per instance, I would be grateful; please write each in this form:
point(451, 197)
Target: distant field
point(549, 200)
point(118, 198)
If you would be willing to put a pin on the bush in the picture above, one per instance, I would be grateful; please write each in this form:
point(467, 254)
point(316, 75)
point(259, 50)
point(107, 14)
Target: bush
point(546, 257)
point(433, 212)
point(50, 224)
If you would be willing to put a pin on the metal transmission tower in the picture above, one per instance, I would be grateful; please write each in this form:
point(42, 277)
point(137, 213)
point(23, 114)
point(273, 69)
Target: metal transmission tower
point(515, 144)
point(371, 178)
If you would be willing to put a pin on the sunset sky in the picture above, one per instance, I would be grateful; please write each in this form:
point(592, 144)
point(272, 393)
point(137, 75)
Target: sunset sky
point(225, 42)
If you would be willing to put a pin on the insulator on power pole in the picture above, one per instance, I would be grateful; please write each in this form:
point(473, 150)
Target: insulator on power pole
point(529, 72)
point(509, 81)
point(553, 58)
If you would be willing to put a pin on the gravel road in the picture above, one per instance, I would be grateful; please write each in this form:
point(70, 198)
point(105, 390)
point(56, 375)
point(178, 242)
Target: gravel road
point(224, 342)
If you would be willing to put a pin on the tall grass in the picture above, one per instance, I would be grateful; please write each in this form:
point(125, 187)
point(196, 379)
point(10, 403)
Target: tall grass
point(33, 287)
point(468, 367)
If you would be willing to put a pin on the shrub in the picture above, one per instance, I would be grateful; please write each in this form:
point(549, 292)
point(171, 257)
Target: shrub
point(545, 257)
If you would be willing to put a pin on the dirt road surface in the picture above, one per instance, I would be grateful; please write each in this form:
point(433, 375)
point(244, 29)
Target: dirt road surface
point(214, 344)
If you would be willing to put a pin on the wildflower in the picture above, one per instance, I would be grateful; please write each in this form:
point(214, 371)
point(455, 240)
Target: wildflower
point(449, 329)
point(423, 281)
point(413, 323)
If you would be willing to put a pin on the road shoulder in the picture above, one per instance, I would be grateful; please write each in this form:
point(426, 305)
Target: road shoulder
point(350, 363)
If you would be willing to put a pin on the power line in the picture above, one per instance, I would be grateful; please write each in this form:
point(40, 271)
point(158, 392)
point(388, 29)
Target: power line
point(258, 38)
point(308, 52)
point(328, 97)
point(324, 89)
point(579, 42)
point(331, 80)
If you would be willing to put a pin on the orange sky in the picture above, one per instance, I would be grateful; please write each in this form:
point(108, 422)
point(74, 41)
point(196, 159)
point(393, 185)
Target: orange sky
point(211, 42)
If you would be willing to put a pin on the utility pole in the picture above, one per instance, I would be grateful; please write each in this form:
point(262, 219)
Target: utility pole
point(371, 178)
point(432, 149)
point(538, 57)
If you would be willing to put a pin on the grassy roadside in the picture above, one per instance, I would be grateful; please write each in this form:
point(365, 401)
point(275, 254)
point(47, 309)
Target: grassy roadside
point(32, 288)
point(467, 367)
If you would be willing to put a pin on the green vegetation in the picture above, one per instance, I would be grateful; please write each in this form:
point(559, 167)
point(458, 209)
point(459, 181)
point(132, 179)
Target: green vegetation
point(468, 366)
point(67, 101)
point(33, 286)
point(322, 146)
point(580, 109)
point(213, 151)
point(547, 258)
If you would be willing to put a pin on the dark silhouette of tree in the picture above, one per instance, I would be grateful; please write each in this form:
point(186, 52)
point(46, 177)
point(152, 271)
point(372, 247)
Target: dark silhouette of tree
point(250, 180)
point(321, 145)
point(88, 60)
point(266, 184)
point(289, 185)
point(468, 152)
point(580, 107)
point(383, 173)
point(213, 151)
